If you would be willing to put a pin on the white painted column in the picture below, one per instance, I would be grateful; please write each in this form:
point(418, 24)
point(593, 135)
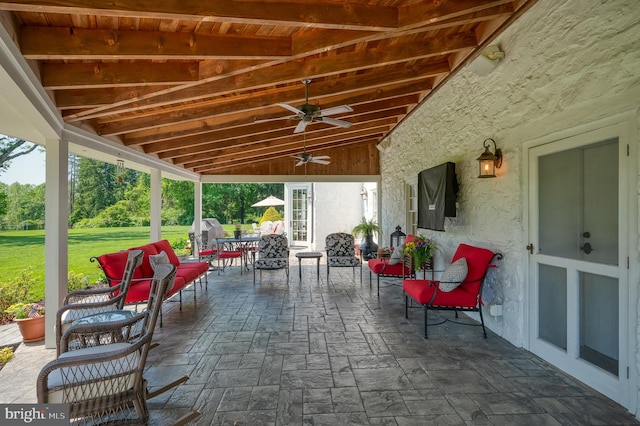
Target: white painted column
point(197, 210)
point(155, 197)
point(56, 260)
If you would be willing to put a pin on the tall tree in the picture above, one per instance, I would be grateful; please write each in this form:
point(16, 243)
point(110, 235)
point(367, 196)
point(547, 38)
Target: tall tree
point(11, 148)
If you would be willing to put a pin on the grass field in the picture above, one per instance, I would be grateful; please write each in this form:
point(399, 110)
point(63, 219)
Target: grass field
point(24, 249)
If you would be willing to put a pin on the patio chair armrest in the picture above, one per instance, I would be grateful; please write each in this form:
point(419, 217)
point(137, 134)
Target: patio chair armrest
point(94, 334)
point(88, 293)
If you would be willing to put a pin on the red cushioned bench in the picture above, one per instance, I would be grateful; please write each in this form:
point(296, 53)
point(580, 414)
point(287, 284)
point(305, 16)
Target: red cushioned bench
point(113, 264)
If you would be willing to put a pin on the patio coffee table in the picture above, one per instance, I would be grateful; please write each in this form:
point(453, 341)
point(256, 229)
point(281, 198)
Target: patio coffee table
point(309, 255)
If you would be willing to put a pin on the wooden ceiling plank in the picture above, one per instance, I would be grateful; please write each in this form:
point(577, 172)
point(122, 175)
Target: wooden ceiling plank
point(45, 43)
point(183, 155)
point(116, 96)
point(321, 90)
point(255, 132)
point(57, 76)
point(160, 134)
point(285, 147)
point(247, 104)
point(319, 13)
point(291, 72)
point(350, 40)
point(76, 98)
point(418, 12)
point(240, 160)
point(248, 145)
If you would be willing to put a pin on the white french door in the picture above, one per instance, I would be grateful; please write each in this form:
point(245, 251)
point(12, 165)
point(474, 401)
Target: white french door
point(578, 270)
point(299, 215)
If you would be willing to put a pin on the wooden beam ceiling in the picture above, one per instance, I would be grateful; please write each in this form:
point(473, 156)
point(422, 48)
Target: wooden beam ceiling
point(191, 83)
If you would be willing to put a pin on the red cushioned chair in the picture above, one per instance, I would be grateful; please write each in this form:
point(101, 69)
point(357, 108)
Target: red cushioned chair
point(226, 253)
point(465, 297)
point(382, 268)
point(205, 254)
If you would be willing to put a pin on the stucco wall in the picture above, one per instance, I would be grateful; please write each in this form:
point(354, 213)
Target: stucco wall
point(567, 63)
point(338, 208)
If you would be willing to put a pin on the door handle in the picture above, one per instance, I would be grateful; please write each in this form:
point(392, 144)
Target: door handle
point(530, 248)
point(586, 248)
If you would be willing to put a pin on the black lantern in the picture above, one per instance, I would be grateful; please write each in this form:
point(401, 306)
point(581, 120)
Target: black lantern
point(488, 160)
point(397, 238)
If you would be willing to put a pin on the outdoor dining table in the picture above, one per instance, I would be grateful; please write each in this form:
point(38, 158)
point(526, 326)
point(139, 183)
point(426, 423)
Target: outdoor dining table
point(243, 244)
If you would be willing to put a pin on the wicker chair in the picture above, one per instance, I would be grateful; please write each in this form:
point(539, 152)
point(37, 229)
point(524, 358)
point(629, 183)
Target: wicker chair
point(83, 303)
point(341, 252)
point(273, 253)
point(103, 383)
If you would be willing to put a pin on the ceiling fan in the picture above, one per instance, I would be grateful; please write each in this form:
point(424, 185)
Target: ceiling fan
point(304, 157)
point(308, 113)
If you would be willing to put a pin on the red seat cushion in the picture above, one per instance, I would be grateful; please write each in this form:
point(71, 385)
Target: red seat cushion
point(208, 252)
point(138, 292)
point(378, 266)
point(466, 295)
point(421, 291)
point(230, 254)
point(113, 265)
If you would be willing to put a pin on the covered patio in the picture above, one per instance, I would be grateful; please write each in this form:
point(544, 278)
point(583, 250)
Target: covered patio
point(568, 84)
point(329, 353)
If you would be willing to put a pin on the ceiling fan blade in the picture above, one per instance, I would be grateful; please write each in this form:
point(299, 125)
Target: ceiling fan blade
point(315, 160)
point(300, 163)
point(321, 157)
point(292, 109)
point(336, 110)
point(335, 122)
point(300, 127)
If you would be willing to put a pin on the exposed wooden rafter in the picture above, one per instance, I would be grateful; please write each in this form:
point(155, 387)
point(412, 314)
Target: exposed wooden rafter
point(190, 82)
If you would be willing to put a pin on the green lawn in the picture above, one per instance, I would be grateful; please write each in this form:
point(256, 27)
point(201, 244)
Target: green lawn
point(24, 249)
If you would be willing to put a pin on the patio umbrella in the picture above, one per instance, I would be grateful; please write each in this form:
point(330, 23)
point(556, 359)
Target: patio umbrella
point(269, 201)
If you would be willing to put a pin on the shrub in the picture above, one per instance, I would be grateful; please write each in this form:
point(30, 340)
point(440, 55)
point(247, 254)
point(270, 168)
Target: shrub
point(77, 281)
point(270, 214)
point(16, 291)
point(182, 246)
point(6, 355)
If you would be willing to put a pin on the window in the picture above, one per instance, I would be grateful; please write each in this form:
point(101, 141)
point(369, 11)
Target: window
point(411, 196)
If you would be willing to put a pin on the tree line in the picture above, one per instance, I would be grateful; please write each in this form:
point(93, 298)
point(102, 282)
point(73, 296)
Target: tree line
point(103, 195)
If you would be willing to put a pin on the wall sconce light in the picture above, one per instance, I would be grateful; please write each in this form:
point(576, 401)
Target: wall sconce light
point(364, 194)
point(488, 160)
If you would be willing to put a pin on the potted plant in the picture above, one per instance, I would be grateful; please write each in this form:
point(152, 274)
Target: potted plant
point(30, 319)
point(421, 250)
point(366, 228)
point(237, 233)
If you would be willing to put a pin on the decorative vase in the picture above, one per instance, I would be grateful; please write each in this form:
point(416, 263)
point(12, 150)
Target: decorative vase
point(32, 329)
point(368, 246)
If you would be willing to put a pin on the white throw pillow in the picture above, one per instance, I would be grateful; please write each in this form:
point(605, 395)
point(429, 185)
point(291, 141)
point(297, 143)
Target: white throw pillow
point(157, 259)
point(397, 255)
point(454, 275)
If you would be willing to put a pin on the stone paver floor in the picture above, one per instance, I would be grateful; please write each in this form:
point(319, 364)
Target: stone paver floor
point(330, 352)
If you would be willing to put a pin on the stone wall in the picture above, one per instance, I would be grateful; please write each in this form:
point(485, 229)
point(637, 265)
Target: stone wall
point(568, 63)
